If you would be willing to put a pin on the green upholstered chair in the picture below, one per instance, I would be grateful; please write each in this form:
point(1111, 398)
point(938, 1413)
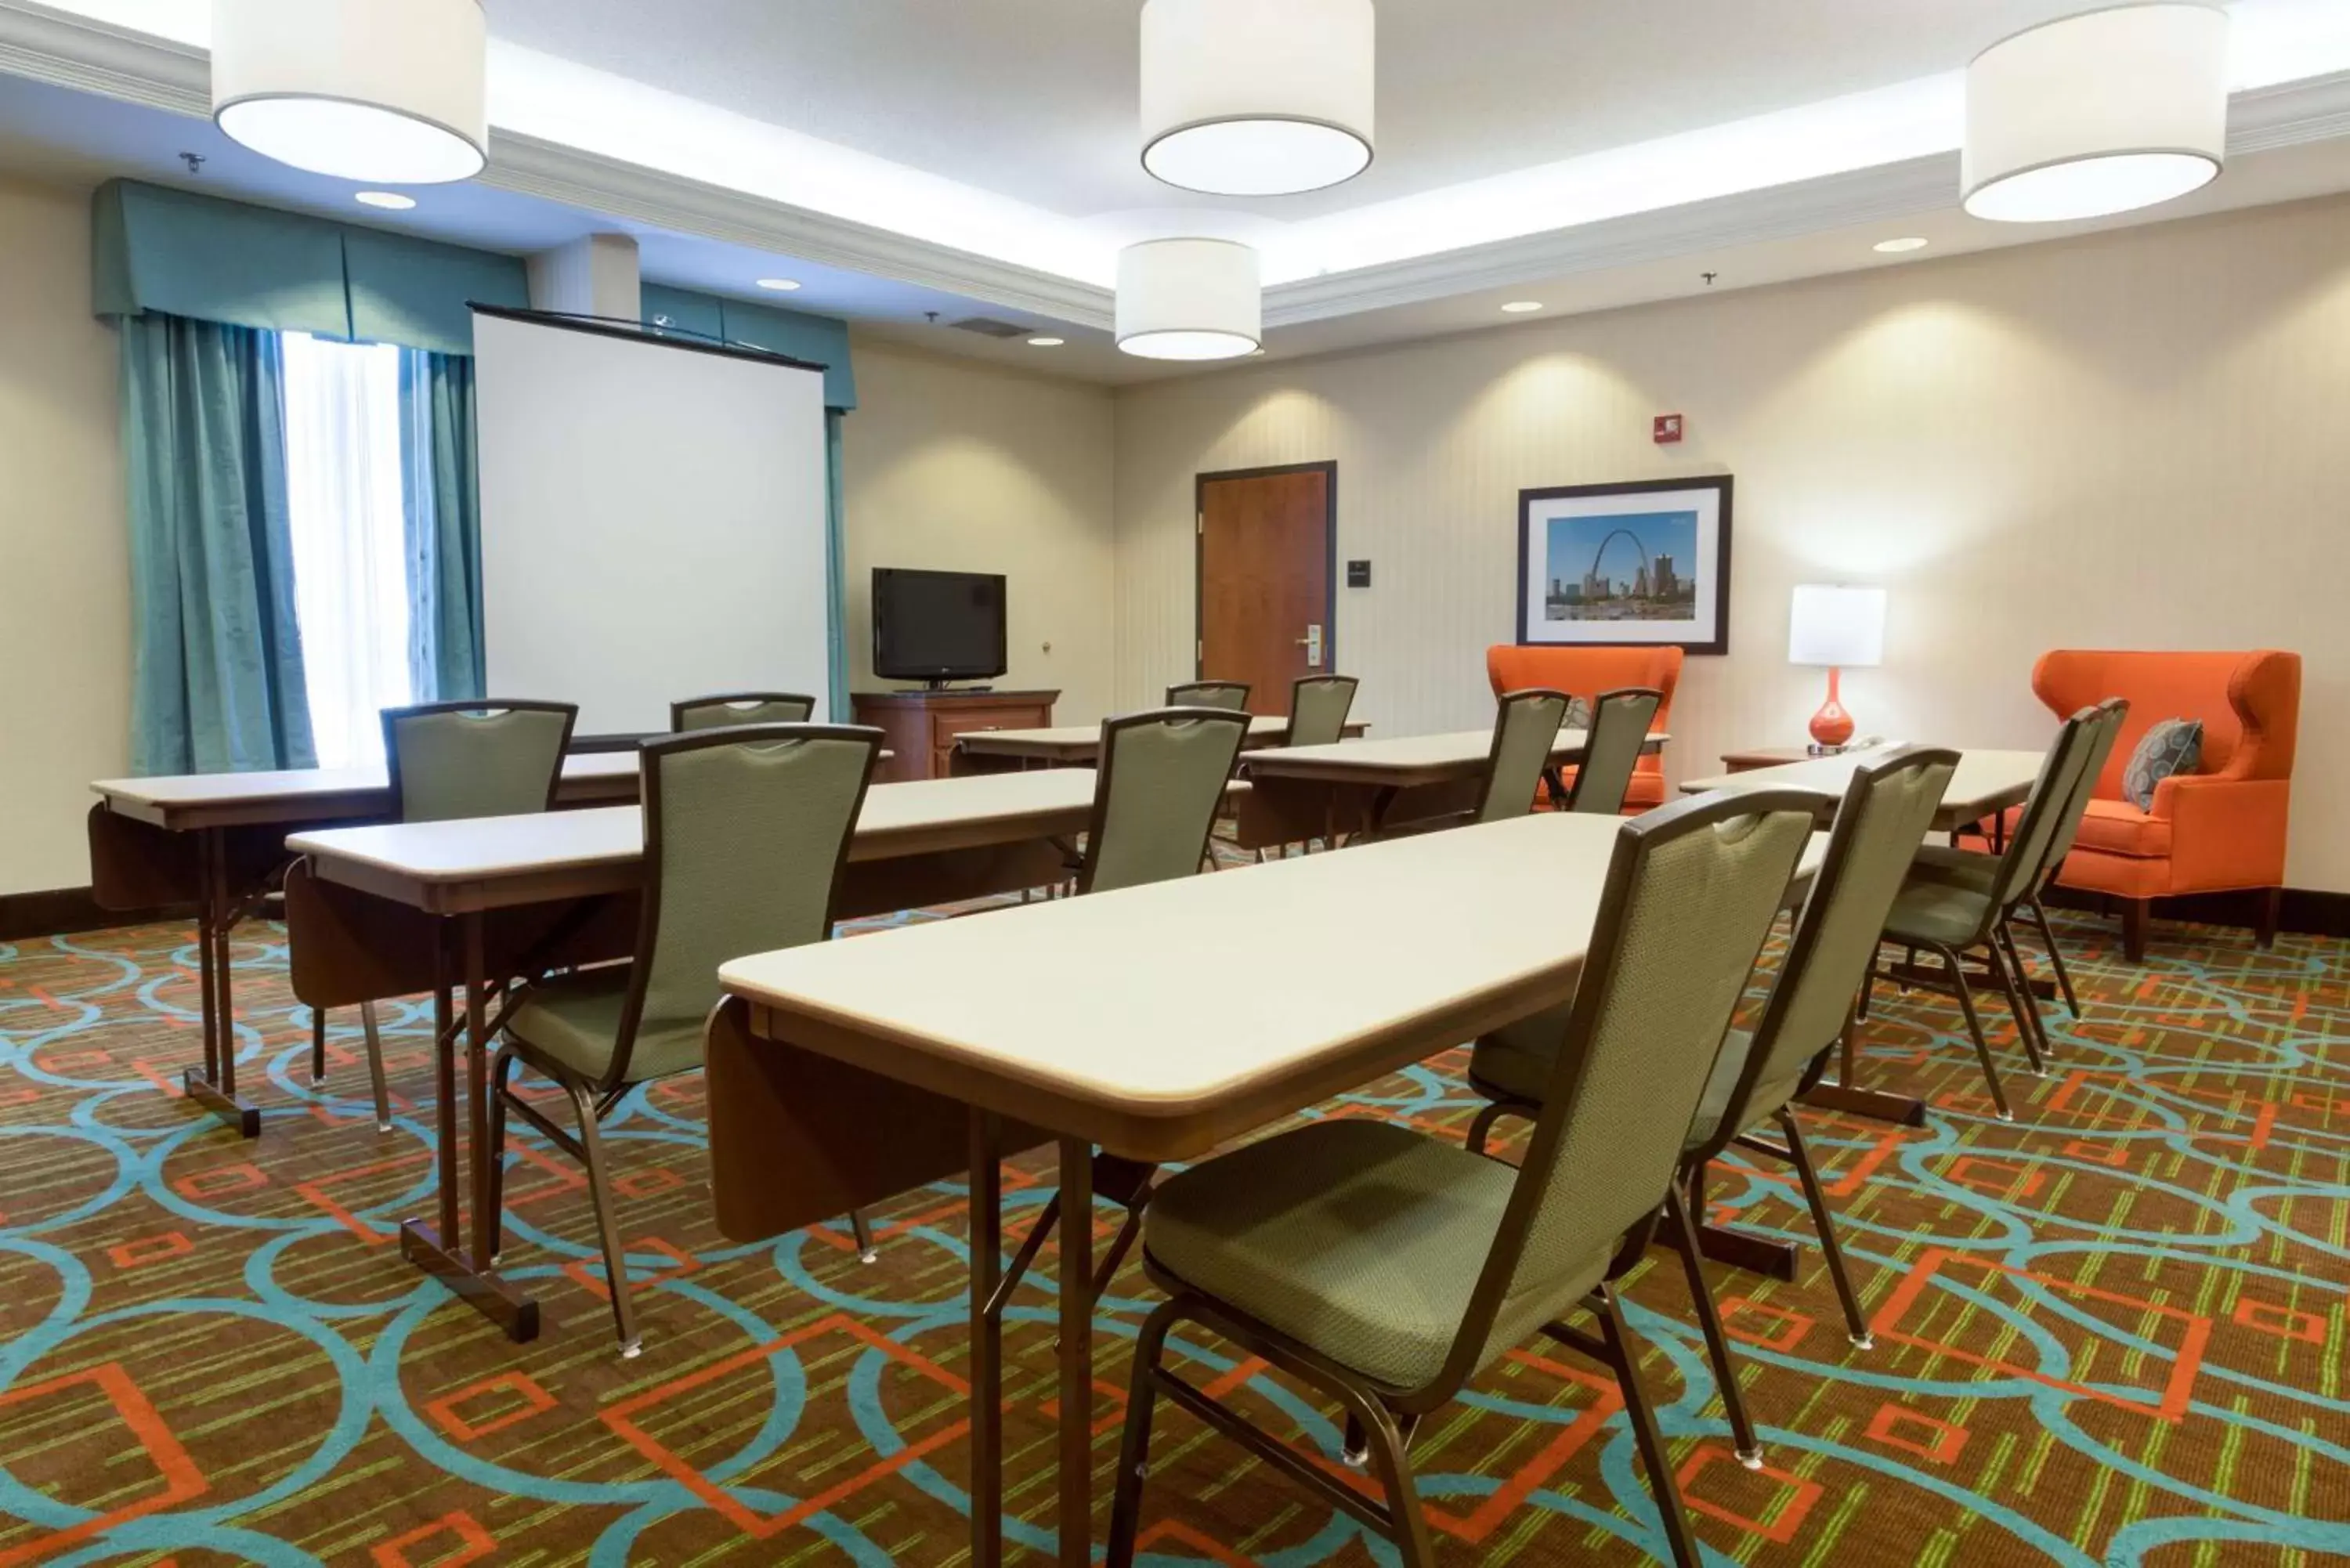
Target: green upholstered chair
point(747, 831)
point(1388, 1268)
point(1952, 918)
point(449, 761)
point(1972, 869)
point(1524, 731)
point(1887, 811)
point(1612, 749)
point(1318, 706)
point(1162, 780)
point(697, 714)
point(1231, 694)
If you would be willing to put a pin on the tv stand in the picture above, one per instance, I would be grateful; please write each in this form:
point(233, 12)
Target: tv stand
point(922, 726)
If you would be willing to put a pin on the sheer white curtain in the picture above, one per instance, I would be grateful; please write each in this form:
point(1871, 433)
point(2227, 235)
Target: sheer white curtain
point(350, 545)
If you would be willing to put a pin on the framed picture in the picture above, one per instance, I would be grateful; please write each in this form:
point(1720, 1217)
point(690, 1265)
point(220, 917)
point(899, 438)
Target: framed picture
point(1644, 563)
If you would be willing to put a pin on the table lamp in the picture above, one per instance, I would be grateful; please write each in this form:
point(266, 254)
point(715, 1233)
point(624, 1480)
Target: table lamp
point(1841, 628)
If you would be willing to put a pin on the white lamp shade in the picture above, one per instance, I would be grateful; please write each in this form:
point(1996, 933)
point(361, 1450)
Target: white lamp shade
point(388, 92)
point(2097, 114)
point(1257, 98)
point(1190, 299)
point(1843, 628)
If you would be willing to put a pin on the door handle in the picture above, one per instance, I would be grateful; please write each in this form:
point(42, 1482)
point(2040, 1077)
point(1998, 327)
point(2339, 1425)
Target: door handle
point(1312, 643)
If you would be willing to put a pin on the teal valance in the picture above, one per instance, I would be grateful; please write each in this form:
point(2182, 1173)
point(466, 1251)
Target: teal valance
point(204, 259)
point(814, 339)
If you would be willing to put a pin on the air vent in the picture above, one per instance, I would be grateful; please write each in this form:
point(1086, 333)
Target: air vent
point(988, 326)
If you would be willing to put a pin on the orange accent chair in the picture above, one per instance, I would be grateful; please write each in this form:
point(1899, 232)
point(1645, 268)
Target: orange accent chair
point(1585, 672)
point(2219, 829)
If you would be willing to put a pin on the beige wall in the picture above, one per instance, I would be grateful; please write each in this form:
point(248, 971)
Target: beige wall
point(956, 466)
point(64, 585)
point(2135, 439)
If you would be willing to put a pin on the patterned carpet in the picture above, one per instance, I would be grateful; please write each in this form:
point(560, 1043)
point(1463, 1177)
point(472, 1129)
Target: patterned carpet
point(2113, 1332)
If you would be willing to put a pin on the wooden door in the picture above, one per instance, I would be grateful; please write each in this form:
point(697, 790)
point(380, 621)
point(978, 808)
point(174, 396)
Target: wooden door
point(1268, 542)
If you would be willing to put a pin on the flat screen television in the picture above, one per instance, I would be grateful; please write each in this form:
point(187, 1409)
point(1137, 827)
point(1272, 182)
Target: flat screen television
point(937, 627)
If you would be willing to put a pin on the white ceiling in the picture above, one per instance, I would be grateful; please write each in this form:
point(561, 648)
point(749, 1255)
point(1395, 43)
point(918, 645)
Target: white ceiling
point(1036, 99)
point(979, 157)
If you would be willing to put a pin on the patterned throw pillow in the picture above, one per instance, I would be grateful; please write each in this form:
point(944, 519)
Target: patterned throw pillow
point(2173, 746)
point(1578, 714)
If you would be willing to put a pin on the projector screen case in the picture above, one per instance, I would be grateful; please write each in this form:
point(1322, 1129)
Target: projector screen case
point(654, 519)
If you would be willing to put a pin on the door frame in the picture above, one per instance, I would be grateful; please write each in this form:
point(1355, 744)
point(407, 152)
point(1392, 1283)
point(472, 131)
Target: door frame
point(1200, 482)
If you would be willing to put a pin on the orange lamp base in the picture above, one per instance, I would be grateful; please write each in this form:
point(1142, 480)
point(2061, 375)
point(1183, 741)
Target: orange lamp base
point(1832, 726)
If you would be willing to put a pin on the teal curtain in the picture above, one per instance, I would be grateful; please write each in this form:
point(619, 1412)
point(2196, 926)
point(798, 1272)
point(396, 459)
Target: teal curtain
point(217, 683)
point(444, 525)
point(835, 556)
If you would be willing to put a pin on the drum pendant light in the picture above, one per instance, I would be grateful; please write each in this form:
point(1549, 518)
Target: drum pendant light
point(2097, 114)
point(387, 93)
point(1189, 299)
point(1257, 98)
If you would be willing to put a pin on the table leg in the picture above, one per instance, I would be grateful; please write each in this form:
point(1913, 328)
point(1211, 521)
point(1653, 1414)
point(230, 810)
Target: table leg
point(1076, 1285)
point(213, 1085)
point(439, 1249)
point(1846, 1095)
point(986, 1341)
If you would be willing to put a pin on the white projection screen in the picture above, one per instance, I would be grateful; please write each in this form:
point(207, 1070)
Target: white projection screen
point(653, 521)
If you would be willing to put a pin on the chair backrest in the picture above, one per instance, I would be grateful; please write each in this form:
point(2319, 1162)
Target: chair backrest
point(1161, 782)
point(747, 830)
point(1318, 706)
point(2249, 702)
point(467, 759)
point(1511, 668)
point(2043, 810)
point(697, 714)
point(1620, 722)
point(1231, 694)
point(1887, 810)
point(1524, 731)
point(1690, 894)
point(2111, 715)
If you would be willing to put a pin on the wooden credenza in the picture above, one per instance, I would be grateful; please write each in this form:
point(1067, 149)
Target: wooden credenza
point(922, 726)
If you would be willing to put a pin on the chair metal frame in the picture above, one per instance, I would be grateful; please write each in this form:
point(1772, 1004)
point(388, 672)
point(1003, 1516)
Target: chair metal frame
point(1993, 938)
point(1125, 1182)
point(593, 1099)
point(679, 711)
point(371, 1024)
point(1386, 1416)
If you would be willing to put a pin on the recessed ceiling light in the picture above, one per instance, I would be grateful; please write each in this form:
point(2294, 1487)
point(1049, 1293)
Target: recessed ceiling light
point(1522, 308)
point(1046, 342)
point(779, 284)
point(389, 201)
point(1896, 247)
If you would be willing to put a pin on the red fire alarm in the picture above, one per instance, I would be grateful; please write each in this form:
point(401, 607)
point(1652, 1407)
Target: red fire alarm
point(1668, 429)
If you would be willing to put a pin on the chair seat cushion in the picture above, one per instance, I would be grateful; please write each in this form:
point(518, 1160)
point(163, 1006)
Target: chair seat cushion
point(1517, 1058)
point(1958, 867)
point(2117, 827)
point(1930, 911)
point(1361, 1240)
point(575, 1020)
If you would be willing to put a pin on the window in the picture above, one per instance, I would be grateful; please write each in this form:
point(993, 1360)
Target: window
point(345, 495)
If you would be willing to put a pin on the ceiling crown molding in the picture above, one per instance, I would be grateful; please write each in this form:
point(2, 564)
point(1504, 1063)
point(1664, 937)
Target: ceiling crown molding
point(71, 51)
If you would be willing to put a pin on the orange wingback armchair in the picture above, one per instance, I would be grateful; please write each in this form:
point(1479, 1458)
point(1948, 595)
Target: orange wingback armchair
point(1585, 672)
point(2219, 829)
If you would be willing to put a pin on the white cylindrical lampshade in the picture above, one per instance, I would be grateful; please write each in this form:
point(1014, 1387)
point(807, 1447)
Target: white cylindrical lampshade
point(388, 92)
point(1257, 98)
point(1189, 299)
point(2097, 114)
point(1843, 628)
